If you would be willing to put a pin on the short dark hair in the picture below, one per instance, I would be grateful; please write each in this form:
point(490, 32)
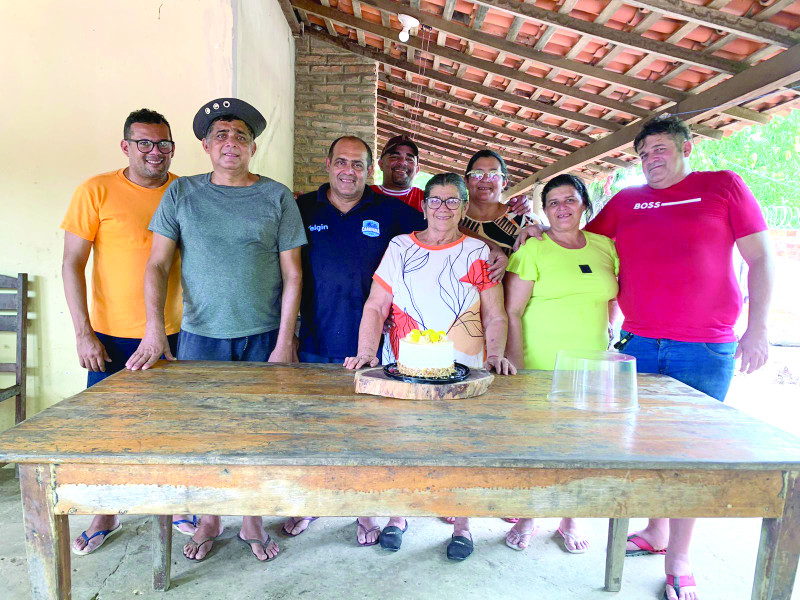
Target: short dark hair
point(147, 116)
point(575, 182)
point(447, 179)
point(488, 154)
point(228, 118)
point(671, 125)
point(351, 137)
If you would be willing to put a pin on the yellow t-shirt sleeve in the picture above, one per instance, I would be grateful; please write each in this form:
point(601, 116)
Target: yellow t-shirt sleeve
point(523, 261)
point(83, 214)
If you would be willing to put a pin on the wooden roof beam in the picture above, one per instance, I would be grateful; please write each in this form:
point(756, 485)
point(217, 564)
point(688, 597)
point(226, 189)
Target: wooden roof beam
point(410, 117)
point(762, 78)
point(447, 137)
point(533, 54)
point(291, 19)
point(443, 112)
point(480, 108)
point(454, 116)
point(471, 86)
point(477, 63)
point(772, 10)
point(614, 36)
point(464, 149)
point(760, 31)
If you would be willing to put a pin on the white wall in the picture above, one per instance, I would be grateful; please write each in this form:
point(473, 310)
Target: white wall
point(71, 73)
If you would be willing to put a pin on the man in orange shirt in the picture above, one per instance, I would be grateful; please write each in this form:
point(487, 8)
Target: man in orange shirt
point(109, 215)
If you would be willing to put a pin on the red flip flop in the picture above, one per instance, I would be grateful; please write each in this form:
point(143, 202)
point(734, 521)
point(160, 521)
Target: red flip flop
point(643, 545)
point(682, 581)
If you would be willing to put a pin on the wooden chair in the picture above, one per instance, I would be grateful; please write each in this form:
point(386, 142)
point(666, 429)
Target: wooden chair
point(16, 302)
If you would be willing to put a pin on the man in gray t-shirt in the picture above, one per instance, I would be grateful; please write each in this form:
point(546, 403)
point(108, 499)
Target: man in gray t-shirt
point(239, 235)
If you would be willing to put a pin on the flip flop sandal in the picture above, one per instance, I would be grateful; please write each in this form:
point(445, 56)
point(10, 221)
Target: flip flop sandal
point(643, 545)
point(683, 581)
point(459, 548)
point(106, 533)
point(511, 519)
point(391, 538)
point(196, 546)
point(567, 539)
point(260, 543)
point(366, 531)
point(295, 521)
point(176, 524)
point(528, 534)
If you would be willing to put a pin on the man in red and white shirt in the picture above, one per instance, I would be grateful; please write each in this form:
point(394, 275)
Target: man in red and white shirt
point(399, 163)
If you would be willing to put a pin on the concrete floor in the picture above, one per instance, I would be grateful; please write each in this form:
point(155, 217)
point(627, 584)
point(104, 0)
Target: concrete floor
point(325, 562)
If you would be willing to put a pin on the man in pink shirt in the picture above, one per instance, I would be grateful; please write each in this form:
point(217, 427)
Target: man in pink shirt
point(679, 294)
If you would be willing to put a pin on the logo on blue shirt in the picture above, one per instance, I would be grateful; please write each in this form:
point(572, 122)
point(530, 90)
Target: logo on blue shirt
point(317, 227)
point(371, 228)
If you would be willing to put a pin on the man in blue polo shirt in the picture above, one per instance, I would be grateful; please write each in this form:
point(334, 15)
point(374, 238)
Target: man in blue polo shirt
point(349, 227)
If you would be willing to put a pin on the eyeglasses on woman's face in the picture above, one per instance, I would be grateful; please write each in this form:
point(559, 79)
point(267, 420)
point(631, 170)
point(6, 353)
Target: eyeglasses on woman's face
point(435, 202)
point(491, 175)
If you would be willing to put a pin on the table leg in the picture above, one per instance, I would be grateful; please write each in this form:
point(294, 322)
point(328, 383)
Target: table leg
point(615, 553)
point(46, 534)
point(779, 548)
point(162, 551)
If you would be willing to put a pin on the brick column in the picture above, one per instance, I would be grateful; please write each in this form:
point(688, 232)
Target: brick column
point(335, 95)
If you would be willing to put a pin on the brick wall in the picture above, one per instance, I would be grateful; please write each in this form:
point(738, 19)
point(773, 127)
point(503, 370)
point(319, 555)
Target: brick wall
point(335, 95)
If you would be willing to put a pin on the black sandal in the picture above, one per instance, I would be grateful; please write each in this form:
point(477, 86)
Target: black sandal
point(391, 537)
point(459, 548)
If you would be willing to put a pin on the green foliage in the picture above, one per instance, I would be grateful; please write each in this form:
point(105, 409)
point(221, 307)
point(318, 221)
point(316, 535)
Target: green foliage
point(767, 158)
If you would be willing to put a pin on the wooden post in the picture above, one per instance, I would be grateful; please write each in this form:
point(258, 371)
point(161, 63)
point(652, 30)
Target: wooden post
point(615, 553)
point(46, 534)
point(162, 551)
point(779, 548)
point(22, 348)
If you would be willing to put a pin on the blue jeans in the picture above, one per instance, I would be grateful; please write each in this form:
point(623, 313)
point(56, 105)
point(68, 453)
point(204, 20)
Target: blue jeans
point(706, 367)
point(255, 348)
point(120, 350)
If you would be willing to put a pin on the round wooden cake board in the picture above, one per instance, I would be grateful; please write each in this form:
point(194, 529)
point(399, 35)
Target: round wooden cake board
point(375, 382)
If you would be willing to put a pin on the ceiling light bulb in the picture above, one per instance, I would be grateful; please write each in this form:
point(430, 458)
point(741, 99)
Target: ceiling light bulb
point(408, 22)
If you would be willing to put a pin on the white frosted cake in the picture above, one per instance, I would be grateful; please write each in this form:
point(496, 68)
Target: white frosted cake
point(426, 354)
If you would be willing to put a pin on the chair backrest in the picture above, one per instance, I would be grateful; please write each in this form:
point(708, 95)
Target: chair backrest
point(14, 300)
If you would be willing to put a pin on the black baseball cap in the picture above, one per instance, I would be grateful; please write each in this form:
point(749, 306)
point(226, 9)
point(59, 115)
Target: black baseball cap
point(400, 140)
point(228, 107)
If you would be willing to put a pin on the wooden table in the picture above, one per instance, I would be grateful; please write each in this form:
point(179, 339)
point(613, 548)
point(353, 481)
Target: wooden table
point(260, 439)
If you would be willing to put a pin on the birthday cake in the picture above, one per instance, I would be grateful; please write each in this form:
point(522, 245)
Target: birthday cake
point(426, 354)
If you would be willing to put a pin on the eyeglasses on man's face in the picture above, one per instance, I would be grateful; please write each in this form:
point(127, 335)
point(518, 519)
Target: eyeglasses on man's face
point(145, 146)
point(492, 175)
point(435, 202)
